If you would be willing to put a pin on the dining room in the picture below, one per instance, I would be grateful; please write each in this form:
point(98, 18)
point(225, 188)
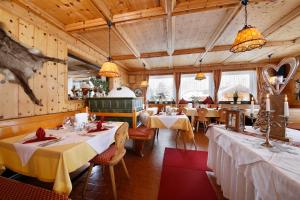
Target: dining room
point(149, 99)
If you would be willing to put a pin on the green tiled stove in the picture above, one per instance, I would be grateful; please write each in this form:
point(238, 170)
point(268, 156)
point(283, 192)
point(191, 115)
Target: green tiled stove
point(124, 109)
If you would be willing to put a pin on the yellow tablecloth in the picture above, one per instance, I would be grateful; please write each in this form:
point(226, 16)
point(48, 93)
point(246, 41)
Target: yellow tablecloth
point(183, 124)
point(193, 112)
point(212, 113)
point(49, 164)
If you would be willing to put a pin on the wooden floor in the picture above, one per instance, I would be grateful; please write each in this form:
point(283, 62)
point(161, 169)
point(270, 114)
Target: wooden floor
point(145, 173)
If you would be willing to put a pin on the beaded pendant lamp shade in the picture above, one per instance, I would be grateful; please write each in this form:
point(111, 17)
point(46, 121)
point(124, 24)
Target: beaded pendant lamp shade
point(247, 38)
point(109, 69)
point(200, 75)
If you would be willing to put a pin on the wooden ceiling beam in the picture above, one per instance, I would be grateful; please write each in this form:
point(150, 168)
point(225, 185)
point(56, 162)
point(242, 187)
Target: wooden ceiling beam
point(284, 45)
point(39, 12)
point(170, 29)
point(188, 51)
point(139, 14)
point(197, 50)
point(151, 13)
point(205, 68)
point(86, 25)
point(227, 19)
point(154, 54)
point(282, 22)
point(271, 29)
point(118, 30)
point(123, 18)
point(205, 5)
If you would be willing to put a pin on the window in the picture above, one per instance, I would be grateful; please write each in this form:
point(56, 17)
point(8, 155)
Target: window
point(161, 87)
point(191, 88)
point(242, 82)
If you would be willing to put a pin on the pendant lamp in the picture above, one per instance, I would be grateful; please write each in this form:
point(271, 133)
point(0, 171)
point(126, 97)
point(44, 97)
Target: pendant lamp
point(109, 69)
point(144, 83)
point(248, 37)
point(200, 75)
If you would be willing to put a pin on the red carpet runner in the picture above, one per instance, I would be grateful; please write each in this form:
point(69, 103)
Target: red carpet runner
point(183, 176)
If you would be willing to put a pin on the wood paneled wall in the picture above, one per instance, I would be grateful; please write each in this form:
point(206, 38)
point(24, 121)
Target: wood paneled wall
point(50, 83)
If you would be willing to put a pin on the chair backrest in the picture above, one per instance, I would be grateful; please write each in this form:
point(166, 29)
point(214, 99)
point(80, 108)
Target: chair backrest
point(120, 137)
point(180, 110)
point(202, 114)
point(144, 117)
point(222, 115)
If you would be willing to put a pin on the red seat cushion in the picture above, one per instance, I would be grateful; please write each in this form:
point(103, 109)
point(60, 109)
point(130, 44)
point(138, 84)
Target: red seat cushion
point(141, 132)
point(105, 156)
point(11, 189)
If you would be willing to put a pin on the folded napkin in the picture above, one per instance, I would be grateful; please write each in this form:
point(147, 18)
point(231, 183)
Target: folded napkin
point(98, 128)
point(40, 136)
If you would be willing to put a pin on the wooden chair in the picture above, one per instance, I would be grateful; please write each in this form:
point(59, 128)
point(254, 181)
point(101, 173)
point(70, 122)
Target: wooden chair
point(222, 116)
point(112, 156)
point(139, 136)
point(201, 118)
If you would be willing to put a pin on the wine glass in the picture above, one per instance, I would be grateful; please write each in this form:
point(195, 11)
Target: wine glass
point(93, 117)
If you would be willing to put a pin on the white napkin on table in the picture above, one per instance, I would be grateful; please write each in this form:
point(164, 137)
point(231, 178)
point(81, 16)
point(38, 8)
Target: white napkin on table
point(168, 120)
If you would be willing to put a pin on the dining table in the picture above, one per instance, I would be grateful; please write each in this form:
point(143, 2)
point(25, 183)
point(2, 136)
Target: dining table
point(179, 122)
point(53, 160)
point(192, 112)
point(247, 170)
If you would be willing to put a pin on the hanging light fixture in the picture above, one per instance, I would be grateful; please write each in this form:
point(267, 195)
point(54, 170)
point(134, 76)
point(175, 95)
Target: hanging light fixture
point(200, 76)
point(144, 83)
point(247, 38)
point(109, 69)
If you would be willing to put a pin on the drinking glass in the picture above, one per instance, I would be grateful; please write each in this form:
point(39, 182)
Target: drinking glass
point(93, 117)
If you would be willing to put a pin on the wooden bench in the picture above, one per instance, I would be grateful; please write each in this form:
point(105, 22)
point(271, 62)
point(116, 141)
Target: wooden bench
point(12, 189)
point(13, 127)
point(139, 136)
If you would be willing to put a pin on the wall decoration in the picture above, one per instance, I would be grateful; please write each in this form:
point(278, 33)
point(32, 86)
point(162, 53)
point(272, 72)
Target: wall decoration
point(18, 63)
point(277, 77)
point(293, 90)
point(138, 92)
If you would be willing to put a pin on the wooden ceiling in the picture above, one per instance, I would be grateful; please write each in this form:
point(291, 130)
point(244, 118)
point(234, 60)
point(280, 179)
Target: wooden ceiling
point(175, 33)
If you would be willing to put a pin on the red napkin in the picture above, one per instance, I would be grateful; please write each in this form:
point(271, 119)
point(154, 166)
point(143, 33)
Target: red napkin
point(99, 128)
point(180, 113)
point(40, 136)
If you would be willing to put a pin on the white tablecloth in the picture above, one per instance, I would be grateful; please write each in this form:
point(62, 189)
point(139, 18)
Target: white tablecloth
point(152, 111)
point(98, 141)
point(245, 170)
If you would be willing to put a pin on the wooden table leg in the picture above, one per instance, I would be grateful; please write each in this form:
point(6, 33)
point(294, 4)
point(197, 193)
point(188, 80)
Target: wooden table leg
point(138, 146)
point(194, 143)
point(183, 139)
point(177, 134)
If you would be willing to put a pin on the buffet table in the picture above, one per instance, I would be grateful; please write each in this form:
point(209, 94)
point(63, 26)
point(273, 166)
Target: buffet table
point(246, 170)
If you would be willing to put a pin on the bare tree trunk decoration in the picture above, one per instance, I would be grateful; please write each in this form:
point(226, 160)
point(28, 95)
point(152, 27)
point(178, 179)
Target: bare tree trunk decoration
point(18, 63)
point(261, 120)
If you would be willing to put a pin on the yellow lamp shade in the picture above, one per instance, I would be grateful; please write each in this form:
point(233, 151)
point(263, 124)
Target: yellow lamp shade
point(109, 69)
point(200, 76)
point(247, 39)
point(144, 84)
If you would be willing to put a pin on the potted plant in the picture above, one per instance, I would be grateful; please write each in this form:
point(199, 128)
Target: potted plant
point(99, 86)
point(235, 97)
